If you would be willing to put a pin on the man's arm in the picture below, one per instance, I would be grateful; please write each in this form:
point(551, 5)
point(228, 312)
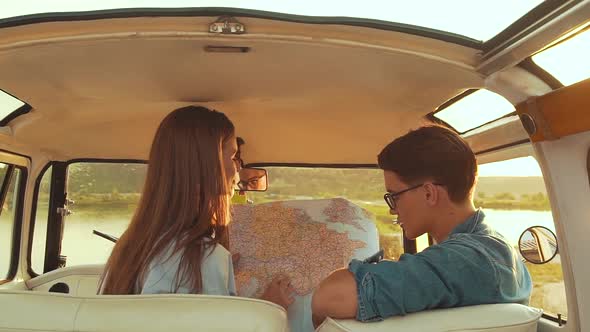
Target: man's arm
point(336, 297)
point(438, 277)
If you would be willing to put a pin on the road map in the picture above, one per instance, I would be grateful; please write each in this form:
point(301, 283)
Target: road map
point(303, 239)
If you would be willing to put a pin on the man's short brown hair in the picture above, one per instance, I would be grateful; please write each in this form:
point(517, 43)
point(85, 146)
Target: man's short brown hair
point(432, 153)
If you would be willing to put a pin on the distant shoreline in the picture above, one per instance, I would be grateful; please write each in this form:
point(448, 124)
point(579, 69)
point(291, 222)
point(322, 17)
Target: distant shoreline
point(128, 201)
point(513, 205)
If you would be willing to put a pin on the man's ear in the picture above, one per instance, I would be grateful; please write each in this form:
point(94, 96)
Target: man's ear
point(431, 193)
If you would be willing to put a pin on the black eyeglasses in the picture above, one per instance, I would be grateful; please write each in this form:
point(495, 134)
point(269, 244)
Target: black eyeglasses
point(390, 197)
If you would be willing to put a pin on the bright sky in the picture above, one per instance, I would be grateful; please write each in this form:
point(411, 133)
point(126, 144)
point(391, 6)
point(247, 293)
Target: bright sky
point(567, 61)
point(480, 20)
point(8, 104)
point(525, 166)
point(475, 110)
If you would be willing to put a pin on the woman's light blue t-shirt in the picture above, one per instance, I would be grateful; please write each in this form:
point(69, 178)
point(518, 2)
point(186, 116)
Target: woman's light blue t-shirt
point(217, 273)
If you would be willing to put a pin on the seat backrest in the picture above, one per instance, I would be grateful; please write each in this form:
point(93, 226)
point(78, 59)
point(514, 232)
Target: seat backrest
point(81, 280)
point(39, 311)
point(488, 317)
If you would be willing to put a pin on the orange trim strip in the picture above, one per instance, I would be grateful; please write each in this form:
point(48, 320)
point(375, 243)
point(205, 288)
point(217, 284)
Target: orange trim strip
point(560, 113)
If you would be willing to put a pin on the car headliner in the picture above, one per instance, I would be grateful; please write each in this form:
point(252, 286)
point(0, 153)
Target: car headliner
point(303, 93)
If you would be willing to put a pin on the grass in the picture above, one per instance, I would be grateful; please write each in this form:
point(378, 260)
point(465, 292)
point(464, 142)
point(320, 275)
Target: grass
point(97, 206)
point(390, 234)
point(542, 275)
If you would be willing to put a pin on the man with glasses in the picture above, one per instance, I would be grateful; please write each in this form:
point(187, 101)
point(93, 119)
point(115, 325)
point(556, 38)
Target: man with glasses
point(430, 175)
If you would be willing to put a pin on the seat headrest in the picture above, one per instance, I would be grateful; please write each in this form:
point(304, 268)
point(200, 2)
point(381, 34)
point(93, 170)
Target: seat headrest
point(488, 317)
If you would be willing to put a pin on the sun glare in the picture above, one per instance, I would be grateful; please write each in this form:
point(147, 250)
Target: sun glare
point(8, 104)
point(567, 61)
point(525, 166)
point(475, 110)
point(480, 21)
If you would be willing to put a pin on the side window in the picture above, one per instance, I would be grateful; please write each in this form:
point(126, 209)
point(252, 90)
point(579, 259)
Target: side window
point(5, 233)
point(105, 197)
point(513, 197)
point(10, 181)
point(40, 226)
point(364, 187)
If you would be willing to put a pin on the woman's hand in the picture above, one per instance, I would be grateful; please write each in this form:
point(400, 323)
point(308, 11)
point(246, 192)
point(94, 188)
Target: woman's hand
point(280, 291)
point(235, 258)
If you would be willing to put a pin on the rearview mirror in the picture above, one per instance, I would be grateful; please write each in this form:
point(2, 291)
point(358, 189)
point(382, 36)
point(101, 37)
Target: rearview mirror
point(253, 179)
point(538, 244)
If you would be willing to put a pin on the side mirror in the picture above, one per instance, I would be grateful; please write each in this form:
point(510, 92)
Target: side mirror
point(253, 179)
point(538, 245)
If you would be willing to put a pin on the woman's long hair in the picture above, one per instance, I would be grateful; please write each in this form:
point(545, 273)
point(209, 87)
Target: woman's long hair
point(185, 200)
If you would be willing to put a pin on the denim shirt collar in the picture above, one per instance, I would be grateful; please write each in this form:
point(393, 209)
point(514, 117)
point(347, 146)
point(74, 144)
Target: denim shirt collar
point(471, 225)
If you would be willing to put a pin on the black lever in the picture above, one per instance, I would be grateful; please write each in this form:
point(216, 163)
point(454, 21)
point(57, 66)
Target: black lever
point(105, 236)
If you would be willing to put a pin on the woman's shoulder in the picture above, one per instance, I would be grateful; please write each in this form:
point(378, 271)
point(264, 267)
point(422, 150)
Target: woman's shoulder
point(161, 274)
point(217, 253)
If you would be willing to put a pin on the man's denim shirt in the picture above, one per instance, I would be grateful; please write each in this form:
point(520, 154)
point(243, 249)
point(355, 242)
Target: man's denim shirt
point(475, 265)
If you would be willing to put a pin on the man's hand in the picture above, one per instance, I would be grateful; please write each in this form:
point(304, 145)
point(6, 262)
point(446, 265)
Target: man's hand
point(280, 292)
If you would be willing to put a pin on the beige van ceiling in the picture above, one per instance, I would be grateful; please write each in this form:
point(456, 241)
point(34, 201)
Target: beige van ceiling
point(303, 94)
